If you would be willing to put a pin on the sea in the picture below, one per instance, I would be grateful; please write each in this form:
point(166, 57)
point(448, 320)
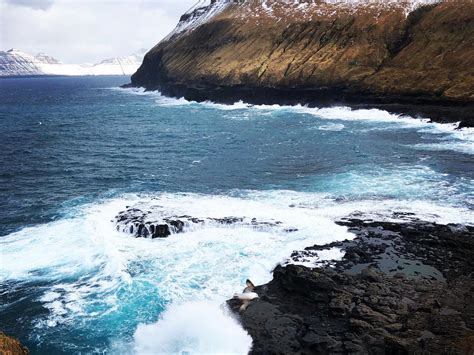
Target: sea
point(76, 151)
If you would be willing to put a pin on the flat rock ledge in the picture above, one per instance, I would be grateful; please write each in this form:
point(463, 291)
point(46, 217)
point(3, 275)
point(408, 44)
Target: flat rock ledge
point(151, 223)
point(401, 288)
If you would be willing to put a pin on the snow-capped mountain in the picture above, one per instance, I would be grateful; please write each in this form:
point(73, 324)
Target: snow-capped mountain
point(204, 11)
point(266, 51)
point(126, 65)
point(17, 63)
point(14, 62)
point(198, 15)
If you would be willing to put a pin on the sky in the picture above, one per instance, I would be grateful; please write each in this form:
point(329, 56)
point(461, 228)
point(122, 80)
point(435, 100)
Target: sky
point(87, 31)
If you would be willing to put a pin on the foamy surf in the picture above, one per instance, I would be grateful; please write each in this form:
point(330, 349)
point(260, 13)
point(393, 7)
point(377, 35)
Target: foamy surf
point(193, 328)
point(336, 127)
point(98, 276)
point(455, 140)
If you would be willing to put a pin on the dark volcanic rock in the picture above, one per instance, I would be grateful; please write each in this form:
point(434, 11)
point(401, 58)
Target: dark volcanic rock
point(152, 223)
point(466, 124)
point(134, 221)
point(366, 305)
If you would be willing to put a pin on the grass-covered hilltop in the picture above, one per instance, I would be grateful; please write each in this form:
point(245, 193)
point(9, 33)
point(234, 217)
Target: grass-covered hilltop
point(378, 52)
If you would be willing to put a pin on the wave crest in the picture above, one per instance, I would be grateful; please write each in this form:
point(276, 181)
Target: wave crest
point(194, 327)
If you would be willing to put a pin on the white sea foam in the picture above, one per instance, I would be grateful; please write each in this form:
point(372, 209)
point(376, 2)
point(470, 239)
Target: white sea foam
point(398, 182)
point(316, 258)
point(194, 328)
point(92, 265)
point(90, 239)
point(455, 140)
point(450, 139)
point(98, 272)
point(461, 147)
point(336, 127)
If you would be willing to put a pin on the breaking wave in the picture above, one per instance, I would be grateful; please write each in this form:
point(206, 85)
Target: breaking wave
point(193, 328)
point(99, 277)
point(450, 138)
point(106, 289)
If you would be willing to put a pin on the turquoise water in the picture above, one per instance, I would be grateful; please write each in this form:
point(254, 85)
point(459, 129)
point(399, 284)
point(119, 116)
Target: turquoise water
point(76, 151)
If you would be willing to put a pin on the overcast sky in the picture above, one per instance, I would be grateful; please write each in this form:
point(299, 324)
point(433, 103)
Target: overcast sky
point(79, 31)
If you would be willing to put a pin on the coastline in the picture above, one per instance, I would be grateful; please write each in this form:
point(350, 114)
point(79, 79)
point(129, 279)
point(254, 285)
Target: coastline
point(411, 60)
point(58, 76)
point(403, 287)
point(318, 152)
point(417, 106)
point(209, 158)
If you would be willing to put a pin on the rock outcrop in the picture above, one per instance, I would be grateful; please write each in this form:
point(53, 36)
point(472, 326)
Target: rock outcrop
point(11, 346)
point(401, 288)
point(387, 53)
point(152, 222)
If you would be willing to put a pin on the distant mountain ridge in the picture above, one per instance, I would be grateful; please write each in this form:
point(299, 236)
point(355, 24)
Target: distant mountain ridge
point(18, 63)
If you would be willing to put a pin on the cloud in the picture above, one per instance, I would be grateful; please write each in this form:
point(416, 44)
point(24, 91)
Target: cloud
point(34, 4)
point(77, 31)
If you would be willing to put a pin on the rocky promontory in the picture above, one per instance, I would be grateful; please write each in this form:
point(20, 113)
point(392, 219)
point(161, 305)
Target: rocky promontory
point(152, 222)
point(401, 288)
point(11, 346)
point(404, 56)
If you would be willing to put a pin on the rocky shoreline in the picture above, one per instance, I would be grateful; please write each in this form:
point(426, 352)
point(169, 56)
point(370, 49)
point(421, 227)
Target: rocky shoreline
point(423, 106)
point(152, 223)
point(404, 287)
point(409, 57)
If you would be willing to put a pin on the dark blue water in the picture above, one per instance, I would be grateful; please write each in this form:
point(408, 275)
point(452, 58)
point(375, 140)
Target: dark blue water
point(73, 149)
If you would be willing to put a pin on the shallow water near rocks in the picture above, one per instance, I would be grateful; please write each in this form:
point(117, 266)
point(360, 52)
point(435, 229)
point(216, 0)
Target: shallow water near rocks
point(77, 151)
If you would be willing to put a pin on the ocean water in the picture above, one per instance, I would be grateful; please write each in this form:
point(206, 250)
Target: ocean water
point(77, 151)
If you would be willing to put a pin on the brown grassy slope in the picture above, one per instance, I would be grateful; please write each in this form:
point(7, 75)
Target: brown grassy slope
point(438, 56)
point(11, 346)
point(376, 49)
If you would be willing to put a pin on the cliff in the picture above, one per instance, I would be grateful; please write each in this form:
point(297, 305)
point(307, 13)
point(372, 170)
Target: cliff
point(10, 345)
point(318, 52)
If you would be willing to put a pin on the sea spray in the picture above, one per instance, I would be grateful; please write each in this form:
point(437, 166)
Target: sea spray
point(194, 328)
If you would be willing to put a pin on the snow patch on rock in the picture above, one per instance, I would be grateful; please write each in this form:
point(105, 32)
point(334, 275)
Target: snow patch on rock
point(198, 15)
point(281, 9)
point(203, 12)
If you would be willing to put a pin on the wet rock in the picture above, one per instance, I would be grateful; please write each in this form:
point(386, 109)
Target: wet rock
point(230, 220)
point(152, 223)
point(352, 307)
point(358, 324)
point(395, 327)
point(370, 274)
point(367, 314)
point(160, 231)
point(341, 304)
point(465, 124)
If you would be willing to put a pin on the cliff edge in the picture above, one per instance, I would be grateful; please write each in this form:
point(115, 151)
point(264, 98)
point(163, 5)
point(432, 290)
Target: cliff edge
point(318, 52)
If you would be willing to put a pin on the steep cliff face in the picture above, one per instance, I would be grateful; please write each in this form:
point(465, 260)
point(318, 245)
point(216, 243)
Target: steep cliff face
point(378, 50)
